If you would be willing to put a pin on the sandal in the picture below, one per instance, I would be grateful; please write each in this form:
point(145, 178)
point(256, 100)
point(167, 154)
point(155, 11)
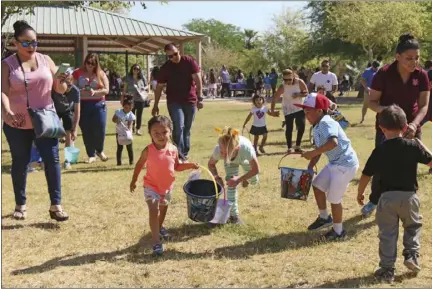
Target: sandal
point(261, 149)
point(19, 214)
point(102, 156)
point(59, 216)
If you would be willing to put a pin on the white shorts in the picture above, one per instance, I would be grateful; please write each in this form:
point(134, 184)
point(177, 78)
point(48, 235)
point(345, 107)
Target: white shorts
point(334, 180)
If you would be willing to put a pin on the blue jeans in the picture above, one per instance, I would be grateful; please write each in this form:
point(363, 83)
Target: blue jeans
point(92, 123)
point(182, 116)
point(20, 144)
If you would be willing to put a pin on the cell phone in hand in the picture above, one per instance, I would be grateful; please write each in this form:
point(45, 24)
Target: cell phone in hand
point(63, 68)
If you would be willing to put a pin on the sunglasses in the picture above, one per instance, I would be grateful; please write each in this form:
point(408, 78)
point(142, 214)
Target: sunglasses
point(91, 63)
point(325, 66)
point(172, 55)
point(26, 44)
point(288, 79)
point(137, 68)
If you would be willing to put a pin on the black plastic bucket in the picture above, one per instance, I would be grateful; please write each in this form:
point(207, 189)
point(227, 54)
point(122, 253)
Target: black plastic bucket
point(201, 199)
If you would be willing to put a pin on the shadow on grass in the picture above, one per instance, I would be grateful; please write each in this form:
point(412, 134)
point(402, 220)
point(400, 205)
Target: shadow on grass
point(98, 169)
point(364, 281)
point(43, 226)
point(141, 252)
point(6, 169)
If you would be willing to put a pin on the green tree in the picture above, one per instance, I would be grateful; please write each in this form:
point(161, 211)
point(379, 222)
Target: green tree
point(285, 41)
point(250, 37)
point(375, 26)
point(224, 35)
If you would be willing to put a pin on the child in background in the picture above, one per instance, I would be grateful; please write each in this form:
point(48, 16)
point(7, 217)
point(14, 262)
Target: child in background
point(161, 158)
point(259, 126)
point(267, 84)
point(124, 119)
point(333, 180)
point(395, 160)
point(322, 90)
point(236, 151)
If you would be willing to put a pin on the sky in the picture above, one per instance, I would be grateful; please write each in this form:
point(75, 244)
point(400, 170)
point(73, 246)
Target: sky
point(254, 15)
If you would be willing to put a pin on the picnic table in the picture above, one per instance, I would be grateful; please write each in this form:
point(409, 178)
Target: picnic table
point(240, 87)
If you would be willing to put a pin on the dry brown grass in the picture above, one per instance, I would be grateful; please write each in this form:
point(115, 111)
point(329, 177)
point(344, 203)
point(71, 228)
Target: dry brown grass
point(106, 242)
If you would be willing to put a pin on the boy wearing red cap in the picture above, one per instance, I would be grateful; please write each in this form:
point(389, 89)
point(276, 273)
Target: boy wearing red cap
point(333, 180)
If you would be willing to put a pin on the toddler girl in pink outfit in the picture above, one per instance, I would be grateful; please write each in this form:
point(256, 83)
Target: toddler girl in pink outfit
point(161, 159)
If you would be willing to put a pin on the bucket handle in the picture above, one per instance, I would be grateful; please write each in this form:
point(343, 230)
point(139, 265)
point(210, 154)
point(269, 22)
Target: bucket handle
point(295, 153)
point(215, 183)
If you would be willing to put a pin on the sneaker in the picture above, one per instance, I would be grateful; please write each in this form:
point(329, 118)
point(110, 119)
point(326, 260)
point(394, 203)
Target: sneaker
point(385, 274)
point(67, 166)
point(235, 220)
point(333, 236)
point(411, 262)
point(368, 209)
point(138, 132)
point(163, 234)
point(158, 249)
point(298, 149)
point(321, 223)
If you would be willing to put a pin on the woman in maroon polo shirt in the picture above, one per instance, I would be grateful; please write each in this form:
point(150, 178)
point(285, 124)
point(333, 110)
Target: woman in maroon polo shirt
point(406, 84)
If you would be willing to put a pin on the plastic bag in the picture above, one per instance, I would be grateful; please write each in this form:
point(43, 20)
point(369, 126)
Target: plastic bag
point(194, 175)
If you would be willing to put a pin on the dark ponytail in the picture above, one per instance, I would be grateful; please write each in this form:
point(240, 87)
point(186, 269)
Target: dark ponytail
point(20, 27)
point(407, 41)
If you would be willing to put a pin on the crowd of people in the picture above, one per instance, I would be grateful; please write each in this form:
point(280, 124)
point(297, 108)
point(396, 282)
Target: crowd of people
point(398, 92)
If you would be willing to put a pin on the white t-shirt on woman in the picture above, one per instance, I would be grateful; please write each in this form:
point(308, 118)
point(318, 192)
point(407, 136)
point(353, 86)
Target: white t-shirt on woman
point(288, 100)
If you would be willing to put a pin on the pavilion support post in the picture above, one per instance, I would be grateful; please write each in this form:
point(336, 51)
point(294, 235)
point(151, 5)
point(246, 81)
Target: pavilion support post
point(181, 48)
point(127, 62)
point(78, 52)
point(198, 52)
point(84, 47)
point(148, 68)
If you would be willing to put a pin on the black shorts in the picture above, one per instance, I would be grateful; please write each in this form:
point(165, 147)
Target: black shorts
point(67, 119)
point(261, 130)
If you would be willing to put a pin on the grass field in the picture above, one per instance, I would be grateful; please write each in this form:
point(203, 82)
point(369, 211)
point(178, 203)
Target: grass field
point(107, 243)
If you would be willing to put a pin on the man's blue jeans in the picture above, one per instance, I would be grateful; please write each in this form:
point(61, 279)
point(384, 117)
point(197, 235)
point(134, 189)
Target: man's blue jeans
point(93, 123)
point(182, 116)
point(20, 144)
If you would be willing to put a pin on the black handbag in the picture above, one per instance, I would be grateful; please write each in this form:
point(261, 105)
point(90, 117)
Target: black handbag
point(46, 123)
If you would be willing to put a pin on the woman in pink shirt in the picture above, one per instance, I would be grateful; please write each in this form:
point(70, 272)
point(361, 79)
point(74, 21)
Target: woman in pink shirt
point(39, 71)
point(93, 85)
point(162, 159)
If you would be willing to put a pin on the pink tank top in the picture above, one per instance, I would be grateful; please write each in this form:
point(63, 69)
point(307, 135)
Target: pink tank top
point(40, 84)
point(160, 169)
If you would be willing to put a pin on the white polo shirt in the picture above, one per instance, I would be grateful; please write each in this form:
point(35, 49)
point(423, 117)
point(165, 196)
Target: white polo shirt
point(328, 80)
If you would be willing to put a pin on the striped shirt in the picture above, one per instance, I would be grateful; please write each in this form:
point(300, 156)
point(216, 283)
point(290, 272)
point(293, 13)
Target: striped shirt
point(344, 154)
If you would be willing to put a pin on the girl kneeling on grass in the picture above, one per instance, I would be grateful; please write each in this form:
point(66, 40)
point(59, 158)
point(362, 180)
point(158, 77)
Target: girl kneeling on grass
point(236, 151)
point(259, 126)
point(161, 159)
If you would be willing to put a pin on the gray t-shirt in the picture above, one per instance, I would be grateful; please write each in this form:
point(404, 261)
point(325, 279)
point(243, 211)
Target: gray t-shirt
point(65, 102)
point(136, 88)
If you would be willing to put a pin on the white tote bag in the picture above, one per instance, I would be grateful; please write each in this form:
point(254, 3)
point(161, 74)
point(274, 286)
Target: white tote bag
point(125, 136)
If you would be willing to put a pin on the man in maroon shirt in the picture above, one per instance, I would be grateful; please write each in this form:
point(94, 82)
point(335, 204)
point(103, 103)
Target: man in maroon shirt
point(403, 83)
point(182, 77)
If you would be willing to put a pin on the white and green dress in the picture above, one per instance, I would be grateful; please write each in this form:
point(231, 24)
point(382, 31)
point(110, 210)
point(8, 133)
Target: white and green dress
point(244, 156)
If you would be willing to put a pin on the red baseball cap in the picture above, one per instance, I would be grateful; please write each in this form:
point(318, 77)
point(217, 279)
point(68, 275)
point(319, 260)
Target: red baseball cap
point(315, 101)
